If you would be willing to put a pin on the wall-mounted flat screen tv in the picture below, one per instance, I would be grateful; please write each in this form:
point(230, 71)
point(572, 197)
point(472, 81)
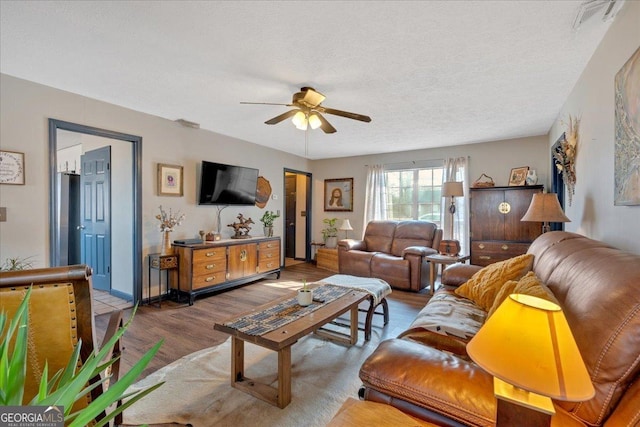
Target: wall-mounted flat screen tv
point(222, 184)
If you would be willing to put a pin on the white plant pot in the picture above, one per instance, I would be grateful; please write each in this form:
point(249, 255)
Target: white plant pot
point(331, 243)
point(305, 298)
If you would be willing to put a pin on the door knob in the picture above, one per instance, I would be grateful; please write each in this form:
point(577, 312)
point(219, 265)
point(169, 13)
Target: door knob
point(80, 227)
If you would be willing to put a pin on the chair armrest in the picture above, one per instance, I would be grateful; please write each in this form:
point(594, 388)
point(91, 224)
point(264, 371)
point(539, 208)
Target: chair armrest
point(457, 274)
point(351, 244)
point(418, 250)
point(431, 379)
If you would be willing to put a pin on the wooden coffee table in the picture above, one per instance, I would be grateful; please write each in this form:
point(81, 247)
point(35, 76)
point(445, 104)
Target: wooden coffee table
point(281, 339)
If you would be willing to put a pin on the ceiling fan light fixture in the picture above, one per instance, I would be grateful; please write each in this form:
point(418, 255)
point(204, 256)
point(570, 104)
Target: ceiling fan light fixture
point(300, 120)
point(314, 121)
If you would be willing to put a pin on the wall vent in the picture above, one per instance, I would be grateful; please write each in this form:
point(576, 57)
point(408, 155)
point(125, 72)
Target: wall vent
point(605, 9)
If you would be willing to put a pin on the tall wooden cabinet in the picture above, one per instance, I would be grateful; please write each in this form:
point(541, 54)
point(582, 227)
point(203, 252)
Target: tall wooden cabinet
point(496, 231)
point(209, 267)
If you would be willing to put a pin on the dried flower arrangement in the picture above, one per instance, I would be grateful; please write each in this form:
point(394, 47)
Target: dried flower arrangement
point(167, 222)
point(565, 156)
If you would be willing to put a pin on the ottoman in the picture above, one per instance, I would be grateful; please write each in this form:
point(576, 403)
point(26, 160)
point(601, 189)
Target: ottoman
point(377, 289)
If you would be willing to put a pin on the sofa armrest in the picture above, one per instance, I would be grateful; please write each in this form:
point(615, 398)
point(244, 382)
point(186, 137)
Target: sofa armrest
point(352, 244)
point(418, 250)
point(457, 274)
point(431, 379)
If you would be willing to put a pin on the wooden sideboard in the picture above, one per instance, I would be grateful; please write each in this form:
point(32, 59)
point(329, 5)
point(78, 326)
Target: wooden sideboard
point(495, 228)
point(223, 264)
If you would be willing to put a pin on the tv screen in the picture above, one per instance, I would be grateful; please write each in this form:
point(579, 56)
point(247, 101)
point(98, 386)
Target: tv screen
point(222, 184)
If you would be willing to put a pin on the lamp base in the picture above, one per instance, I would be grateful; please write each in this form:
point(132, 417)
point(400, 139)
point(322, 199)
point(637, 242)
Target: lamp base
point(521, 407)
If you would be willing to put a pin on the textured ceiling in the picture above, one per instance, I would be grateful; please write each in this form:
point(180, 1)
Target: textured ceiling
point(430, 74)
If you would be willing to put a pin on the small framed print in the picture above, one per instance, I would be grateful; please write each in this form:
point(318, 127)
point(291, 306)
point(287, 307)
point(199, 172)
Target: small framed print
point(169, 180)
point(11, 167)
point(338, 195)
point(518, 176)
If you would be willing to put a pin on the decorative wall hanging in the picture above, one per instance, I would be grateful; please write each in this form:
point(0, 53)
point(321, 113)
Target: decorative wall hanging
point(169, 180)
point(627, 133)
point(263, 192)
point(11, 167)
point(338, 195)
point(565, 155)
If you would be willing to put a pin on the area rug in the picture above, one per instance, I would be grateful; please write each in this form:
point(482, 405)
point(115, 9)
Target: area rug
point(197, 388)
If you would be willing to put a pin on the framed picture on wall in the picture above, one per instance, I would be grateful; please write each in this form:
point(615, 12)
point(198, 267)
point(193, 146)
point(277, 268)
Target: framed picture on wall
point(338, 195)
point(11, 167)
point(169, 180)
point(518, 176)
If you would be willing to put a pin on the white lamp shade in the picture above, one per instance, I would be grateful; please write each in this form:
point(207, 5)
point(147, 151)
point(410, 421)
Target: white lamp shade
point(346, 226)
point(452, 189)
point(314, 121)
point(527, 343)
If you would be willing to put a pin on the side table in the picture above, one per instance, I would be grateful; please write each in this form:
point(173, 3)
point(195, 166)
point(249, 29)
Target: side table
point(328, 259)
point(160, 263)
point(438, 259)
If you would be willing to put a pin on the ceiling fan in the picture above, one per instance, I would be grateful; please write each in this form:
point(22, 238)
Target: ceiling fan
point(308, 111)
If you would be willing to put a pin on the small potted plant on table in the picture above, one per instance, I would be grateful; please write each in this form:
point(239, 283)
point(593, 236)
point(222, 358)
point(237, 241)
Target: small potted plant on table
point(305, 295)
point(267, 221)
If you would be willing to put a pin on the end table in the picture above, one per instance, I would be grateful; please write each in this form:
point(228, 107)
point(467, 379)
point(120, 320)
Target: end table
point(436, 259)
point(160, 263)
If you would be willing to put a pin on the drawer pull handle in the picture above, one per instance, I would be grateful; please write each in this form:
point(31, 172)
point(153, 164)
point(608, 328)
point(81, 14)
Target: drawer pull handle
point(484, 257)
point(210, 279)
point(211, 253)
point(269, 255)
point(505, 247)
point(481, 246)
point(270, 264)
point(210, 266)
point(269, 245)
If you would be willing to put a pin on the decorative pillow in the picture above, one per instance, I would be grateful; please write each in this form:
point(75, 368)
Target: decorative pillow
point(485, 284)
point(528, 285)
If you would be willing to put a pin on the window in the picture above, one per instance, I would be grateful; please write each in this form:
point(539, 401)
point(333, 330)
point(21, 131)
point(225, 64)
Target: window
point(415, 194)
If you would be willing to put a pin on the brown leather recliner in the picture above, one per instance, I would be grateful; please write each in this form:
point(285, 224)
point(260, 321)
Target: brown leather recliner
point(393, 251)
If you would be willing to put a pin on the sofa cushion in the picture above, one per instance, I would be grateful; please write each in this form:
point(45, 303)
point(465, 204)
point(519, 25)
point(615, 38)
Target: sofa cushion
point(447, 322)
point(379, 235)
point(413, 233)
point(528, 285)
point(484, 285)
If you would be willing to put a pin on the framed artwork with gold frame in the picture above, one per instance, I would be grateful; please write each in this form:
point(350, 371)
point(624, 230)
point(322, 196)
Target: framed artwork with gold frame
point(518, 176)
point(338, 195)
point(170, 180)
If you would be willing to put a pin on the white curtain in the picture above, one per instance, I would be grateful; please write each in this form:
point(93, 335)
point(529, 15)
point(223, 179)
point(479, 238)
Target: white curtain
point(455, 169)
point(375, 203)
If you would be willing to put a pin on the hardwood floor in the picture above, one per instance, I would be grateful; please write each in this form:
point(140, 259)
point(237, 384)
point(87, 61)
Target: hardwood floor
point(186, 329)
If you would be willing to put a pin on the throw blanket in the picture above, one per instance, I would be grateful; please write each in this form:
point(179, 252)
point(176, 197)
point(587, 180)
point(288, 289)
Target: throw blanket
point(377, 288)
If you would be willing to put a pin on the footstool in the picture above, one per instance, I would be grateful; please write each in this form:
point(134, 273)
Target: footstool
point(377, 289)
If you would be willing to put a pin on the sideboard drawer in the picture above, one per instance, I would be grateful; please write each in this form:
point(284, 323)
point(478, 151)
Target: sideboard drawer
point(207, 280)
point(488, 252)
point(209, 254)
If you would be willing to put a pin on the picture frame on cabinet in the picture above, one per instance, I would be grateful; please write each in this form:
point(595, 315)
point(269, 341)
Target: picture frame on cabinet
point(170, 180)
point(518, 176)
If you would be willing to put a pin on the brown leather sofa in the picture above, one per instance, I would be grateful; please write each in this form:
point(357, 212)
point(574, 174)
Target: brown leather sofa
point(598, 288)
point(393, 251)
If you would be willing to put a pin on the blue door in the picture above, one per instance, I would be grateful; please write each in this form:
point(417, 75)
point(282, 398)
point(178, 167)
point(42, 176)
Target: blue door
point(95, 202)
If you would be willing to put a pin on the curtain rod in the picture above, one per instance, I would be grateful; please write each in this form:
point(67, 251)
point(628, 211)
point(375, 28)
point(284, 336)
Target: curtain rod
point(411, 162)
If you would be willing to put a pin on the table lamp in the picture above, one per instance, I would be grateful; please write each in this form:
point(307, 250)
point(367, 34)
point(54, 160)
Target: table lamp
point(545, 208)
point(529, 349)
point(452, 189)
point(346, 226)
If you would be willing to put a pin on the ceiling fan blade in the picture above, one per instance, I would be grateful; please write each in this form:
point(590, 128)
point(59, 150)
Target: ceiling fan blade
point(346, 114)
point(325, 125)
point(281, 117)
point(265, 103)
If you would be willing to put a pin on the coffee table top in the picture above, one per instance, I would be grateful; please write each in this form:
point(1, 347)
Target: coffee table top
point(288, 334)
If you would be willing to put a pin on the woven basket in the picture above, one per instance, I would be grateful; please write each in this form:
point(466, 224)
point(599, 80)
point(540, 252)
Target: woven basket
point(478, 183)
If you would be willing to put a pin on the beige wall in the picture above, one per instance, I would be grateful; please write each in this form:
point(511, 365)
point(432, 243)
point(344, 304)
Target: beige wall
point(592, 212)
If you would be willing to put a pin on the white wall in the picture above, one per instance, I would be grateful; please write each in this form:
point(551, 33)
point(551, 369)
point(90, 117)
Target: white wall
point(492, 158)
point(25, 108)
point(592, 100)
